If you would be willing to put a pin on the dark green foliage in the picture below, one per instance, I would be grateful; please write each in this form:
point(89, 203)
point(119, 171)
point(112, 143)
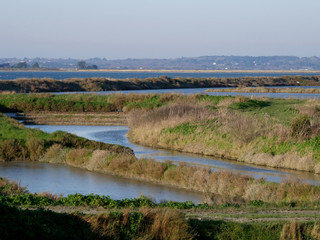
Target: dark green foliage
point(41, 224)
point(35, 65)
point(250, 105)
point(82, 65)
point(93, 201)
point(256, 203)
point(220, 230)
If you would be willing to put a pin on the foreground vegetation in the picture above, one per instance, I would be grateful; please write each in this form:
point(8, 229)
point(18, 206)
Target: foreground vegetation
point(268, 90)
point(277, 132)
point(144, 223)
point(135, 219)
point(105, 84)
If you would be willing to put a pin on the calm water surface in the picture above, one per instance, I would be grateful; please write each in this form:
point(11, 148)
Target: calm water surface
point(62, 179)
point(117, 135)
point(190, 91)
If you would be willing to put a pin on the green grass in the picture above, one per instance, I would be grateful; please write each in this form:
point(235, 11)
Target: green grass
point(18, 142)
point(212, 99)
point(250, 105)
point(283, 110)
point(184, 129)
point(11, 129)
point(222, 230)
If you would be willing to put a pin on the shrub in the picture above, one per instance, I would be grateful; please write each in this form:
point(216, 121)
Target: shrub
point(77, 157)
point(11, 149)
point(35, 148)
point(301, 128)
point(54, 154)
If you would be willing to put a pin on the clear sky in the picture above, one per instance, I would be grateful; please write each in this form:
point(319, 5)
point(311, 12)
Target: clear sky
point(117, 29)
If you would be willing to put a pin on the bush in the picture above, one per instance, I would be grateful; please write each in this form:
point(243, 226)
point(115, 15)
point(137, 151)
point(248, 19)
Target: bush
point(78, 157)
point(35, 148)
point(11, 149)
point(301, 128)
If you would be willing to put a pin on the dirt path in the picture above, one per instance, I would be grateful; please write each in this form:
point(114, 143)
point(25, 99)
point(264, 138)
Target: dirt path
point(228, 214)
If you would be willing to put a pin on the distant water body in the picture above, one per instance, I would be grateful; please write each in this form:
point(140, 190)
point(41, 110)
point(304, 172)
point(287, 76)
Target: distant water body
point(122, 75)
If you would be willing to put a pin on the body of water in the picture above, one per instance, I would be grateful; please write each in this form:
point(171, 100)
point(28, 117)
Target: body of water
point(8, 75)
point(62, 179)
point(190, 91)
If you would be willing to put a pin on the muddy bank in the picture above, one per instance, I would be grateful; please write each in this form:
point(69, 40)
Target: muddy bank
point(105, 84)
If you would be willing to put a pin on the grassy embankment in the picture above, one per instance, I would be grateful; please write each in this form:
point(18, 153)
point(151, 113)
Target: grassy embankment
point(268, 90)
point(281, 133)
point(104, 84)
point(140, 219)
point(20, 143)
point(272, 132)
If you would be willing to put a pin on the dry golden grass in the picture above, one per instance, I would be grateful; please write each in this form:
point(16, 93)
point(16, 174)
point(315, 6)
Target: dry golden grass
point(268, 90)
point(175, 113)
point(10, 187)
point(54, 154)
point(299, 231)
point(77, 157)
point(143, 224)
point(221, 185)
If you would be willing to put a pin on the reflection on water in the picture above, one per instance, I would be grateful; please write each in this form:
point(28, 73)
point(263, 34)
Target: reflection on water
point(67, 180)
point(117, 135)
point(62, 179)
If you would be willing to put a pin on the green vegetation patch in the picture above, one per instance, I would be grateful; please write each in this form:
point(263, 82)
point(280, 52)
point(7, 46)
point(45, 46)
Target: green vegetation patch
point(249, 105)
point(184, 129)
point(230, 230)
point(213, 99)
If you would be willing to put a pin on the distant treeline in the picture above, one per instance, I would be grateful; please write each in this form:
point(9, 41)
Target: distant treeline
point(22, 65)
point(163, 82)
point(183, 63)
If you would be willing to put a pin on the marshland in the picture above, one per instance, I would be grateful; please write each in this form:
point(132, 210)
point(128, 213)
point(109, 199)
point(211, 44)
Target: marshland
point(269, 132)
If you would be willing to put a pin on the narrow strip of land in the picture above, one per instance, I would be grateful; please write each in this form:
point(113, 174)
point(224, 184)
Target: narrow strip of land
point(163, 82)
point(267, 90)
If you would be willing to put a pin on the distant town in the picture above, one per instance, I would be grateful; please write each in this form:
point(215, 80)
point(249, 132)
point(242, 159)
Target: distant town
point(184, 63)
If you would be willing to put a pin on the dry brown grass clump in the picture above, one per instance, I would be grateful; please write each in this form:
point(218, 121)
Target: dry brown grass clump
point(10, 187)
point(35, 148)
point(242, 126)
point(176, 113)
point(268, 90)
point(143, 224)
point(299, 231)
point(77, 157)
point(54, 154)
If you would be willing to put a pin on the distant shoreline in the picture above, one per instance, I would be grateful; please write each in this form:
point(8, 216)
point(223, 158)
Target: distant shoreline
point(165, 71)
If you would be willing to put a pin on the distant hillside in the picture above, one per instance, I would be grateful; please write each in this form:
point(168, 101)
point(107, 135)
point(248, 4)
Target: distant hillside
point(184, 63)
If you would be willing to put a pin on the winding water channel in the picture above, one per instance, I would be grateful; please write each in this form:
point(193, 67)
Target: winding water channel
point(62, 179)
point(66, 180)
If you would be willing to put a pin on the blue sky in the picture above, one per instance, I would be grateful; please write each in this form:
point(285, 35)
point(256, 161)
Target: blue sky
point(117, 29)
